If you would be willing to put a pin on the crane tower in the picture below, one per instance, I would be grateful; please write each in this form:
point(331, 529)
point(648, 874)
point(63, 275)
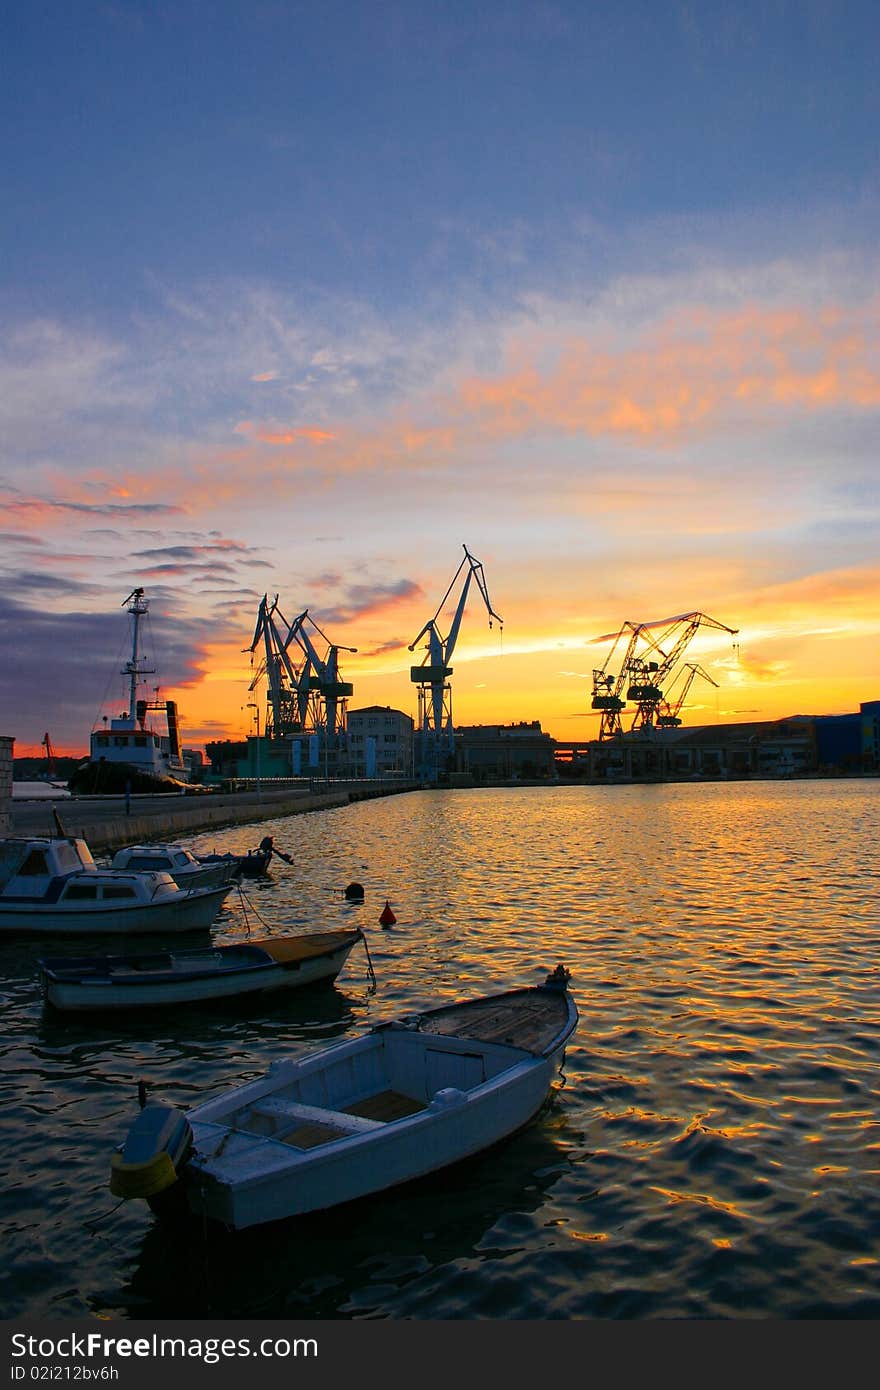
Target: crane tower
point(436, 731)
point(288, 694)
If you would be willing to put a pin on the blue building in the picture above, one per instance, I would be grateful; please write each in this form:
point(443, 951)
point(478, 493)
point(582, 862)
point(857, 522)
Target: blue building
point(870, 713)
point(838, 741)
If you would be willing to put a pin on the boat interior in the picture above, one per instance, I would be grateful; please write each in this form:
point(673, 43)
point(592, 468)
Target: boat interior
point(387, 1076)
point(161, 963)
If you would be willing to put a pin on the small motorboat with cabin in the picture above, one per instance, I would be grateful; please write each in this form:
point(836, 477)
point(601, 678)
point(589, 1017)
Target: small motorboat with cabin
point(208, 975)
point(406, 1099)
point(183, 866)
point(54, 885)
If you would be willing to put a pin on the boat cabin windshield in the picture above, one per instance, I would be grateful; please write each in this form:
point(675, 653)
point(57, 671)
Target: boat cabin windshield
point(35, 864)
point(92, 892)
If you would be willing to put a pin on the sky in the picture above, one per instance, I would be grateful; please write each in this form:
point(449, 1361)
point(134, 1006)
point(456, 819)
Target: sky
point(301, 299)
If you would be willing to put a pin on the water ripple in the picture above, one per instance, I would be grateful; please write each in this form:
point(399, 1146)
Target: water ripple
point(713, 1152)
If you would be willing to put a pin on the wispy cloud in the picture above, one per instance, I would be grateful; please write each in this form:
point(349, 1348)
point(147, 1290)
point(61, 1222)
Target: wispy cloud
point(699, 371)
point(37, 509)
point(358, 601)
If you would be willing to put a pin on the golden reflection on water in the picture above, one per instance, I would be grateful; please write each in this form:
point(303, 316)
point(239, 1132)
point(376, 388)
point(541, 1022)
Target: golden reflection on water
point(722, 941)
point(701, 1199)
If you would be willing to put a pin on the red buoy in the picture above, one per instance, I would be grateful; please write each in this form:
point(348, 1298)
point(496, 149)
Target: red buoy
point(387, 917)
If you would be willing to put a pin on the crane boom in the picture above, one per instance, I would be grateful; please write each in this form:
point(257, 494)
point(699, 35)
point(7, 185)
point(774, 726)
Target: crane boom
point(669, 715)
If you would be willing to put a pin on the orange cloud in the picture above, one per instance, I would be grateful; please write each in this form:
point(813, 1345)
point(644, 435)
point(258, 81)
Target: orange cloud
point(269, 436)
point(855, 591)
point(693, 367)
point(697, 369)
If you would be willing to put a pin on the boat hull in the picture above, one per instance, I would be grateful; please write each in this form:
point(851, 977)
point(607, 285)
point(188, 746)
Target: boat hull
point(99, 777)
point(251, 865)
point(121, 983)
point(207, 876)
point(371, 1163)
point(193, 912)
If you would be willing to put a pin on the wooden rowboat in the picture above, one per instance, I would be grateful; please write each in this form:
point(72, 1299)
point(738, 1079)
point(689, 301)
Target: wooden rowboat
point(406, 1099)
point(251, 865)
point(88, 983)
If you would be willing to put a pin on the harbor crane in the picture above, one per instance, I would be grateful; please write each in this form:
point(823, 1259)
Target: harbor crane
point(436, 731)
point(669, 716)
point(323, 675)
point(607, 688)
point(288, 694)
point(50, 755)
point(307, 695)
point(644, 672)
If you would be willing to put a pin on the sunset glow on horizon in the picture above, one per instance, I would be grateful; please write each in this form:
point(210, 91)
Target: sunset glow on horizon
point(628, 357)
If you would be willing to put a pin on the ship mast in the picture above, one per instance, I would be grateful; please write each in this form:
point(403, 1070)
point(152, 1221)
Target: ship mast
point(138, 607)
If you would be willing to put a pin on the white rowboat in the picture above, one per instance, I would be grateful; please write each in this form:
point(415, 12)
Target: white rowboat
point(404, 1100)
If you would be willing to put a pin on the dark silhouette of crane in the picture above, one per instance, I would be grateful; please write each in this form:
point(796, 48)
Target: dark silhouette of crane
point(669, 715)
point(323, 675)
point(436, 732)
point(306, 695)
point(50, 755)
point(645, 670)
point(287, 697)
point(608, 688)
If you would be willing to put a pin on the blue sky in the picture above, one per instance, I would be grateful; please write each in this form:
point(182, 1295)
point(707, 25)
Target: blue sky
point(301, 298)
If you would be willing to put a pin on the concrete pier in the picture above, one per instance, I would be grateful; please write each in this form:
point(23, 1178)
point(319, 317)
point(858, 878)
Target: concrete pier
point(106, 825)
point(6, 761)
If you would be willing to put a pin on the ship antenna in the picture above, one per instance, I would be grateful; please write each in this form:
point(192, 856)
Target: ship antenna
point(138, 606)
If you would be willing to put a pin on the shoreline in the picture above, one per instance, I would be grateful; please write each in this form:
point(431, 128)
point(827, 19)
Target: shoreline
point(105, 825)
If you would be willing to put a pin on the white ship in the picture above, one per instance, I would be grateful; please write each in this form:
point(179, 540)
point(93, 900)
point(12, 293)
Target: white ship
point(129, 751)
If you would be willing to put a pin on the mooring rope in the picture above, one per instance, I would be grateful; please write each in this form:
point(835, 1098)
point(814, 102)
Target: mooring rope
point(369, 961)
point(245, 904)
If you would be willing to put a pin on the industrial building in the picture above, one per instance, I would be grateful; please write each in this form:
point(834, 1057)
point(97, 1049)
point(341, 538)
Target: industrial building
point(504, 752)
point(800, 745)
point(380, 742)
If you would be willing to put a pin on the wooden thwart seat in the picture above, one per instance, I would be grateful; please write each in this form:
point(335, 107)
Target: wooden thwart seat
point(306, 1126)
point(385, 1106)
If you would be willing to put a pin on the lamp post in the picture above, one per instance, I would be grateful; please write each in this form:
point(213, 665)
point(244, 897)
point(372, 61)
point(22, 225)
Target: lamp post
point(256, 710)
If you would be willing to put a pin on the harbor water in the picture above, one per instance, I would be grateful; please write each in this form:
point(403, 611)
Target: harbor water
point(712, 1149)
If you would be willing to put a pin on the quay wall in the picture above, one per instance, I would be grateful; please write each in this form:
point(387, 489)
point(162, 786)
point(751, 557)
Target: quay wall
point(6, 763)
point(106, 825)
